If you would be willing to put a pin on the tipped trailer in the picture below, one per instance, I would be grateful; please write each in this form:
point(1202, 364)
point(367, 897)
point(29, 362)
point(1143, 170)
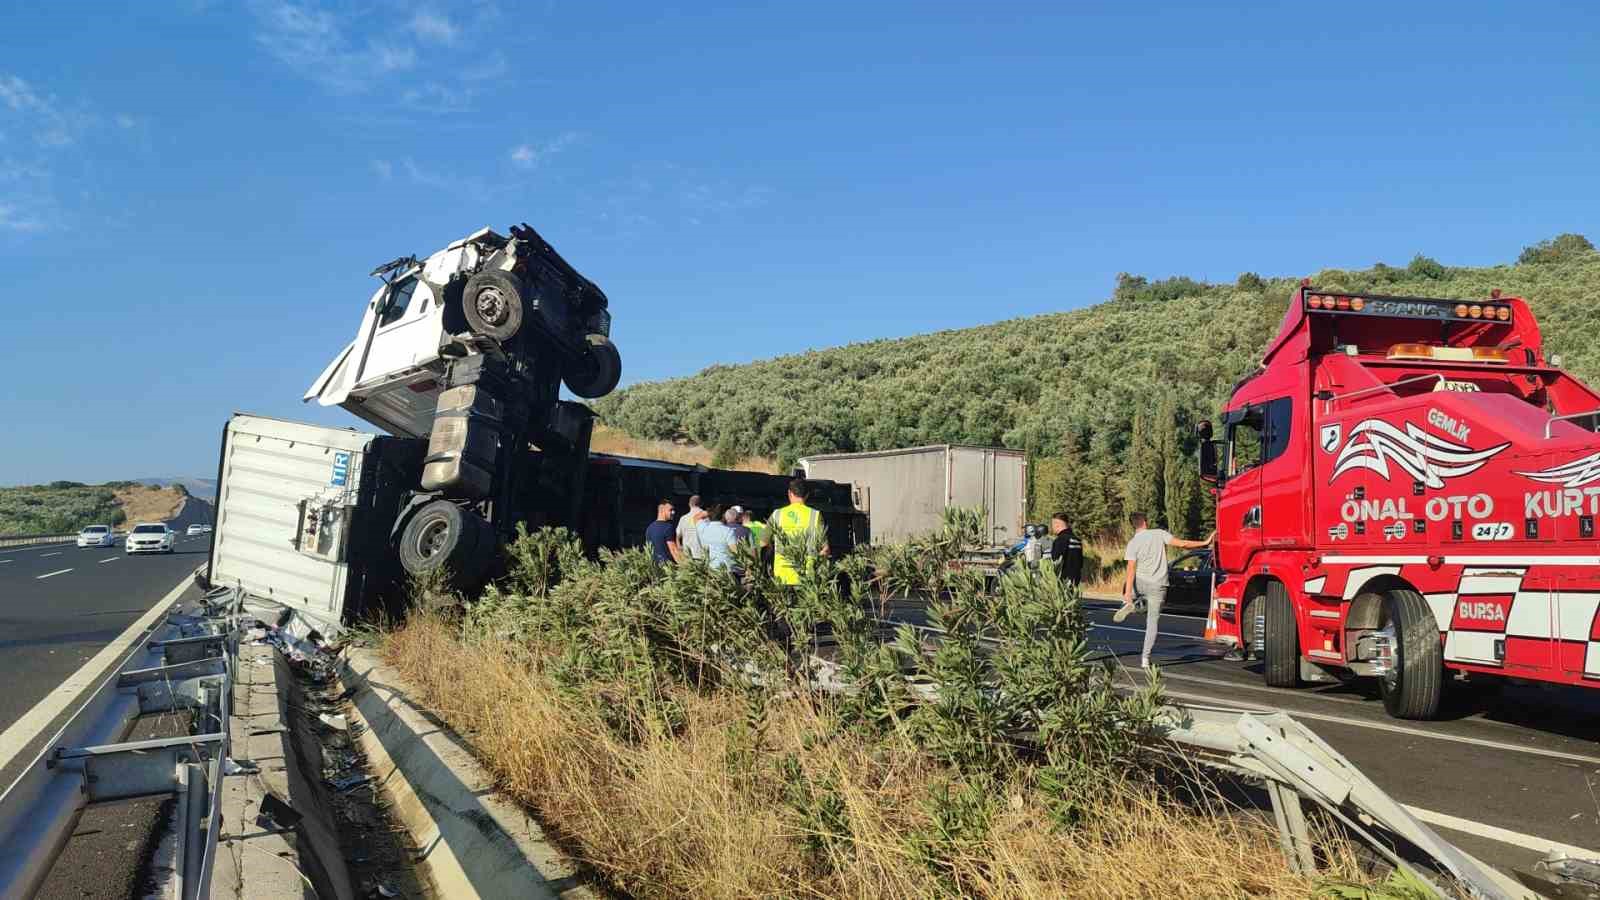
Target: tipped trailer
point(309, 517)
point(1407, 489)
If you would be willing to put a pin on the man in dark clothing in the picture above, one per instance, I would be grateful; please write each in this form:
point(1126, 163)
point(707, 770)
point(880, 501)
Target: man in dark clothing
point(662, 535)
point(1066, 549)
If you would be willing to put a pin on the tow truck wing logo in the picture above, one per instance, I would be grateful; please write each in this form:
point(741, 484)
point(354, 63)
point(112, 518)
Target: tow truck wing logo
point(1427, 458)
point(1574, 474)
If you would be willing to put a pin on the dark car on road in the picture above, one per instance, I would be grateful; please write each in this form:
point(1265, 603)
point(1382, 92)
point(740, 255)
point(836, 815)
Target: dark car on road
point(1189, 580)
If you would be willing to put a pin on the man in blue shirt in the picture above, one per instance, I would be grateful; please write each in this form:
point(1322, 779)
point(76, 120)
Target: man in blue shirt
point(716, 537)
point(662, 536)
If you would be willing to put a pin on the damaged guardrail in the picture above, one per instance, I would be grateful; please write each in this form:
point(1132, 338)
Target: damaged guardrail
point(186, 663)
point(1274, 751)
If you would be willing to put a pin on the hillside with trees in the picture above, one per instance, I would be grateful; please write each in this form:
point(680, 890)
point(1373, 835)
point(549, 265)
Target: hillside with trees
point(63, 507)
point(1103, 398)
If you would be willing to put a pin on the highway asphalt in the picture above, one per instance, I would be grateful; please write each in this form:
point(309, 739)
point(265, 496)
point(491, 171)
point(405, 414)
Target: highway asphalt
point(59, 607)
point(1519, 757)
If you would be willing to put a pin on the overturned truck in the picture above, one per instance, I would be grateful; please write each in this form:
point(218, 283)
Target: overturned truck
point(459, 359)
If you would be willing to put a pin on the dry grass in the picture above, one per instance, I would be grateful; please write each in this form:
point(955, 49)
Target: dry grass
point(142, 503)
point(610, 440)
point(698, 814)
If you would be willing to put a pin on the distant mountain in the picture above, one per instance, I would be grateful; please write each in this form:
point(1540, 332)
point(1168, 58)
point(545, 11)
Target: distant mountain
point(204, 488)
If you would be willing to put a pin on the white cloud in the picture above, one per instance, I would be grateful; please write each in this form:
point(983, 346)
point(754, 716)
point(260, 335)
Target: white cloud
point(529, 156)
point(430, 26)
point(126, 121)
point(19, 95)
point(316, 43)
point(433, 97)
point(12, 219)
point(383, 168)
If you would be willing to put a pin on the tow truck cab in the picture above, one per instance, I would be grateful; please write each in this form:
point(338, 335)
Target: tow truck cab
point(1405, 487)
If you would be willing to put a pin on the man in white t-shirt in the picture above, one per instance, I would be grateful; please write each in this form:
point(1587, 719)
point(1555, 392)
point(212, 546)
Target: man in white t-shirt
point(688, 535)
point(1146, 580)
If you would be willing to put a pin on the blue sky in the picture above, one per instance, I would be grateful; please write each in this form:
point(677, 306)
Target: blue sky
point(191, 194)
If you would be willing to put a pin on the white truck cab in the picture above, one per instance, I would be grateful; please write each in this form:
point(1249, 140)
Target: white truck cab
point(485, 292)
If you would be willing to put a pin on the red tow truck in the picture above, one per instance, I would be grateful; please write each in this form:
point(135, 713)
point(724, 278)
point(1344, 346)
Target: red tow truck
point(1407, 489)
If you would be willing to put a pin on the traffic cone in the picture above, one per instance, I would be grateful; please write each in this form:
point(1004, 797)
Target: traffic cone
point(1211, 620)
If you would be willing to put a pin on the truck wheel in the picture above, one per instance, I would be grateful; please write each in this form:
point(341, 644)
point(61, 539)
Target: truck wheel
point(1281, 644)
point(597, 374)
point(492, 304)
point(442, 535)
point(1412, 687)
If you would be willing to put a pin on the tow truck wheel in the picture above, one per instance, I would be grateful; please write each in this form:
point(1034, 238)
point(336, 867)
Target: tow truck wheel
point(599, 371)
point(492, 304)
point(1281, 640)
point(1415, 680)
point(442, 535)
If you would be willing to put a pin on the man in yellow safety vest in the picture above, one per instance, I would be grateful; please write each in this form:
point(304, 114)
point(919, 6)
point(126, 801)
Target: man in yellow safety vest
point(796, 520)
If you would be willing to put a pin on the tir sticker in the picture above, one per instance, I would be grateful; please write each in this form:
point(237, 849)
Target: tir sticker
point(1427, 458)
point(341, 469)
point(1394, 531)
point(1339, 532)
point(1330, 437)
point(1492, 531)
point(1574, 474)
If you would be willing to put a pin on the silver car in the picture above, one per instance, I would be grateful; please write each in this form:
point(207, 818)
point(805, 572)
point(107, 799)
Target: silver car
point(97, 536)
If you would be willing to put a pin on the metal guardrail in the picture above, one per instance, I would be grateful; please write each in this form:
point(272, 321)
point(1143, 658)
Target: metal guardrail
point(187, 662)
point(21, 540)
point(1288, 760)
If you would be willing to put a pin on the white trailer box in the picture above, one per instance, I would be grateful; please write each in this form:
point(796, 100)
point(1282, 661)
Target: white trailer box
point(304, 513)
point(905, 492)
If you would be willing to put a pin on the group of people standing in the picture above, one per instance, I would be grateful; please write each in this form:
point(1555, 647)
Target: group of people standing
point(711, 533)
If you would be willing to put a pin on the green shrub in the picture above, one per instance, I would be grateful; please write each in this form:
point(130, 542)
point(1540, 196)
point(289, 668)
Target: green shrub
point(1561, 248)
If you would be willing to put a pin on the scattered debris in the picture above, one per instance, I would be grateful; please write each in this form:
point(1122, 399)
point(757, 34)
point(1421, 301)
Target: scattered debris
point(349, 781)
point(276, 815)
point(336, 722)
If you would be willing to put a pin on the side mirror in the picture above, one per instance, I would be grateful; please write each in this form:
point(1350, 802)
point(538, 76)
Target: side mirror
point(1210, 471)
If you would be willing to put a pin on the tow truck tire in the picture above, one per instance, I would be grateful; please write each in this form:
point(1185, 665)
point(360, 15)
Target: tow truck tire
point(1413, 688)
point(1280, 644)
point(599, 371)
point(438, 535)
point(492, 304)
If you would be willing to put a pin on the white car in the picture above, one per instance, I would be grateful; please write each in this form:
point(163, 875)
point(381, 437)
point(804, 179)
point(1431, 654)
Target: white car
point(197, 529)
point(97, 536)
point(149, 537)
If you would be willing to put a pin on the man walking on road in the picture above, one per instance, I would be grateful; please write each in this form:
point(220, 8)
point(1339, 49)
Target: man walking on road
point(1066, 549)
point(1146, 580)
point(688, 537)
point(661, 536)
point(796, 520)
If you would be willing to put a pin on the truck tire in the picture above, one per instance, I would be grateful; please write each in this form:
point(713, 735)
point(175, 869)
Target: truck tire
point(492, 304)
point(597, 374)
point(1281, 642)
point(439, 535)
point(1413, 686)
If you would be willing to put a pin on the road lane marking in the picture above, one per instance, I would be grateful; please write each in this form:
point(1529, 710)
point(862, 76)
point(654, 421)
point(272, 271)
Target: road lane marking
point(1495, 833)
point(28, 728)
point(109, 559)
point(51, 574)
point(1195, 638)
point(1397, 729)
point(43, 555)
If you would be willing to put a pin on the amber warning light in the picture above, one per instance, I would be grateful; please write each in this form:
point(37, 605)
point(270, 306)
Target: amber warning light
point(1406, 307)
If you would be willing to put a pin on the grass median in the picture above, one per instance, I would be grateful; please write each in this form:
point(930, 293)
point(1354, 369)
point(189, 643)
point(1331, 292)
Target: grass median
point(664, 723)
